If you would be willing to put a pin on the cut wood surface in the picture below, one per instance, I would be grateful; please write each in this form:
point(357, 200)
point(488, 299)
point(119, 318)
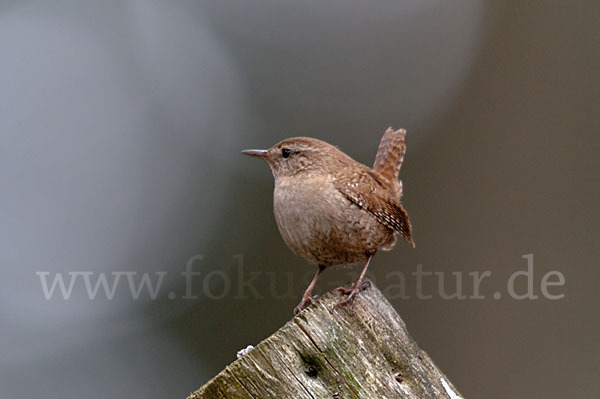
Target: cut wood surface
point(363, 351)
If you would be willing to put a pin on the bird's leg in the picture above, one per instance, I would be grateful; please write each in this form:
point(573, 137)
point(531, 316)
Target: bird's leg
point(307, 298)
point(357, 287)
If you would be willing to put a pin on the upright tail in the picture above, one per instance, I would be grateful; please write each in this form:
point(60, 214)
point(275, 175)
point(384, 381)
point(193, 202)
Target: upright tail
point(388, 161)
point(390, 153)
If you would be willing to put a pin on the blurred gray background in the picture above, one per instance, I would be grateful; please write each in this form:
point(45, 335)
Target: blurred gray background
point(121, 124)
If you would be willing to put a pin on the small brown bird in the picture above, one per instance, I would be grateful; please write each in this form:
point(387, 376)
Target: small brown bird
point(332, 210)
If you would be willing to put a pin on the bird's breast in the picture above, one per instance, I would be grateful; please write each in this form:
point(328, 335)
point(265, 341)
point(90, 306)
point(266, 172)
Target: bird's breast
point(320, 224)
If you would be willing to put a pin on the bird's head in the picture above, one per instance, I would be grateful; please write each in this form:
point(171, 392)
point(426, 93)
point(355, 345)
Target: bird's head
point(298, 155)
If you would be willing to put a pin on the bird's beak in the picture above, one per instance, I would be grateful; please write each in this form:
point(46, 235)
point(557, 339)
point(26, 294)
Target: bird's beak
point(256, 153)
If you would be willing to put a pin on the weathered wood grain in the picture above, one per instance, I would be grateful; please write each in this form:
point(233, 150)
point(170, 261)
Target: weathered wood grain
point(362, 351)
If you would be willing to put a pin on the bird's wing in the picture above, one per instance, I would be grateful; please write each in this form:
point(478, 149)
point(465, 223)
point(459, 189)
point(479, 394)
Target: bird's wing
point(371, 192)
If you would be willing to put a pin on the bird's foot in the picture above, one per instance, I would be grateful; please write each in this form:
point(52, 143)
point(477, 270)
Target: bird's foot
point(304, 303)
point(352, 293)
point(350, 299)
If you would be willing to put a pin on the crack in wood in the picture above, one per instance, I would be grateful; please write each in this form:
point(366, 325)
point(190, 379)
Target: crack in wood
point(299, 382)
point(242, 384)
point(350, 387)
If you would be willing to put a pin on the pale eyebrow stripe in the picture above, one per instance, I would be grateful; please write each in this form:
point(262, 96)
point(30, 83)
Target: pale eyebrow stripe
point(302, 148)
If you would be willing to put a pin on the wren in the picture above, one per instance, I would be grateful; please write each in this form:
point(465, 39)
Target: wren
point(332, 210)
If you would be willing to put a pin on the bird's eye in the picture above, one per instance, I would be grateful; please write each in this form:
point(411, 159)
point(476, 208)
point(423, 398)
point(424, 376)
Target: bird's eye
point(286, 152)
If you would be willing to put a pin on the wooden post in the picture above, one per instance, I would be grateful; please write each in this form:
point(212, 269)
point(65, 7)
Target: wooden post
point(363, 351)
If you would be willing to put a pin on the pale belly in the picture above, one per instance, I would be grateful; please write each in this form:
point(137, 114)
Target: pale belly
point(318, 223)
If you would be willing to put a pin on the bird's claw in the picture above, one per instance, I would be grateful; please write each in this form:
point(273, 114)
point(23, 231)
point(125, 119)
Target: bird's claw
point(351, 293)
point(344, 290)
point(351, 297)
point(304, 303)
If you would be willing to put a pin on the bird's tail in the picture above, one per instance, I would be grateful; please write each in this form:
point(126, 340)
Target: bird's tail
point(390, 153)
